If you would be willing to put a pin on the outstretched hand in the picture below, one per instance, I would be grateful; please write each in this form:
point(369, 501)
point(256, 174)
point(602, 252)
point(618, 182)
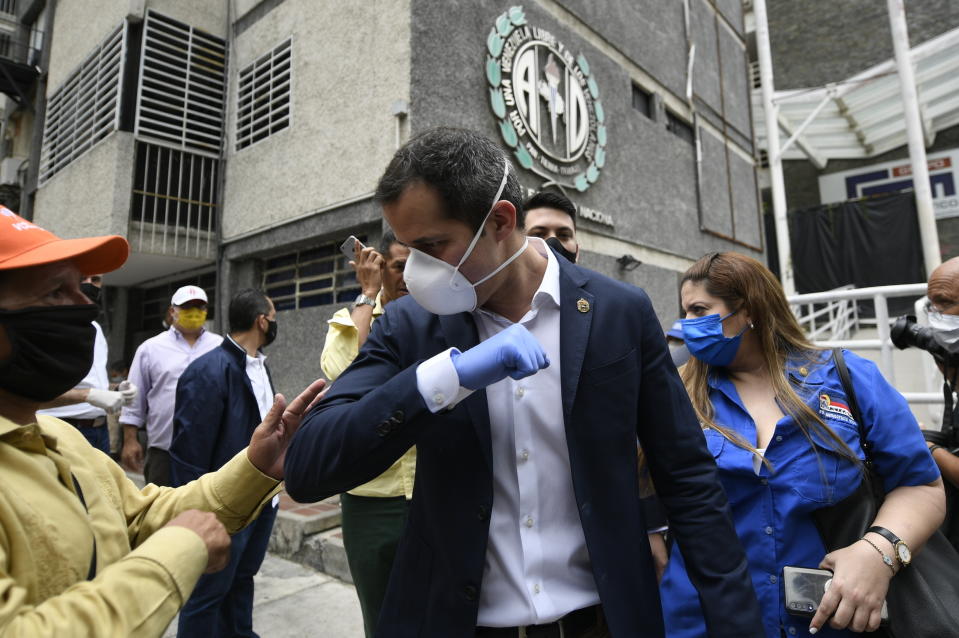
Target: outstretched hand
point(272, 437)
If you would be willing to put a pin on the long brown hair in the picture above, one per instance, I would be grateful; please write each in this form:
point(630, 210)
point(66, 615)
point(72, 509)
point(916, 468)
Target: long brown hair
point(745, 284)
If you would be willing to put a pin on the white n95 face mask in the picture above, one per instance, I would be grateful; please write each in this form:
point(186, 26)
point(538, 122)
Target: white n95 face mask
point(440, 287)
point(945, 330)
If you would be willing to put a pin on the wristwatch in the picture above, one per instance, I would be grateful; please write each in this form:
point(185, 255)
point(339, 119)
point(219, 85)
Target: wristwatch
point(903, 554)
point(363, 299)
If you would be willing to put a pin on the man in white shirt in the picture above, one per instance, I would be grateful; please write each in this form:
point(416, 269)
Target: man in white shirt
point(220, 399)
point(524, 381)
point(157, 365)
point(85, 407)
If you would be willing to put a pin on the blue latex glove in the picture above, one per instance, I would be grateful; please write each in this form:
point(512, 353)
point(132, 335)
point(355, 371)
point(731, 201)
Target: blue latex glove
point(513, 352)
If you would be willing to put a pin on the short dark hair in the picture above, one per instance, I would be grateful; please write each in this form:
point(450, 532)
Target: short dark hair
point(548, 199)
point(245, 307)
point(387, 242)
point(465, 168)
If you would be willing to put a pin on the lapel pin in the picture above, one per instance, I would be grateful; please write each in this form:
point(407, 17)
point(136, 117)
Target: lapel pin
point(582, 305)
point(804, 371)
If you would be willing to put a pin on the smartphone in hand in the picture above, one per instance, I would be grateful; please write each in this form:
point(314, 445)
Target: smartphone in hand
point(348, 248)
point(804, 588)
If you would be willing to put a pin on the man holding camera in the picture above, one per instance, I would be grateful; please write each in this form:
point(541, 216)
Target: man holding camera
point(943, 310)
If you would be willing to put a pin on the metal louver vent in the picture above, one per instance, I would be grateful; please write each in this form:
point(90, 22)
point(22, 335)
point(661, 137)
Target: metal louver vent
point(180, 98)
point(263, 98)
point(85, 108)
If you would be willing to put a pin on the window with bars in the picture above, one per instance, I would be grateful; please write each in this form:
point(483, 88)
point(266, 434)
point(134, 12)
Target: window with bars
point(85, 108)
point(174, 190)
point(156, 299)
point(311, 277)
point(181, 94)
point(263, 96)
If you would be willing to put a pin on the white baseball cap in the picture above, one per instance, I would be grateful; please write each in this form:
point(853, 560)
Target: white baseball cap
point(188, 293)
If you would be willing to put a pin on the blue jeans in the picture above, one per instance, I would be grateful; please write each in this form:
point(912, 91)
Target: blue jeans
point(222, 603)
point(98, 437)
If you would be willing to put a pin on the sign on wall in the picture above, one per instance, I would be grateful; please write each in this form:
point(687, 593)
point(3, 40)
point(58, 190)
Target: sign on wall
point(546, 101)
point(890, 177)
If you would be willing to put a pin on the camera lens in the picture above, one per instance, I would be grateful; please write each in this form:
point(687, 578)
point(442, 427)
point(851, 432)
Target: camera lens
point(906, 333)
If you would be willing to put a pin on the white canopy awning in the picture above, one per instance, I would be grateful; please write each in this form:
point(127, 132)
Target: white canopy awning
point(862, 116)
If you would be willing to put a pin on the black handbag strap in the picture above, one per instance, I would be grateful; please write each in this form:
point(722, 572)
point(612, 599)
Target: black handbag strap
point(846, 379)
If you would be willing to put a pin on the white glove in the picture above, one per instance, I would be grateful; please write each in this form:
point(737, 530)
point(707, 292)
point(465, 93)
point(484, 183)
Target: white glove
point(107, 399)
point(129, 392)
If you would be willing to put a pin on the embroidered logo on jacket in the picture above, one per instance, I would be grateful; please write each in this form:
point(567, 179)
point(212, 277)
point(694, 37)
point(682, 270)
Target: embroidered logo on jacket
point(829, 408)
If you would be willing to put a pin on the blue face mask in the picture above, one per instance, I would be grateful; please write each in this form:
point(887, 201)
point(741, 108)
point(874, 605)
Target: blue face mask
point(705, 339)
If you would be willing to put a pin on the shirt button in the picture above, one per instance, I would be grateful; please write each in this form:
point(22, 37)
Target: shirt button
point(529, 521)
point(779, 437)
point(792, 631)
point(764, 481)
point(524, 455)
point(439, 399)
point(768, 530)
point(536, 589)
point(520, 392)
point(773, 579)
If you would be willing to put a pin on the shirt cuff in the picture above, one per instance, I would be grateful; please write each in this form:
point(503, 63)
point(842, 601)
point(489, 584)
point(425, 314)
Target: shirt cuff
point(180, 552)
point(658, 530)
point(241, 488)
point(438, 382)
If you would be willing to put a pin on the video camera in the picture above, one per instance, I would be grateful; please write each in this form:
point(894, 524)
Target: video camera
point(906, 333)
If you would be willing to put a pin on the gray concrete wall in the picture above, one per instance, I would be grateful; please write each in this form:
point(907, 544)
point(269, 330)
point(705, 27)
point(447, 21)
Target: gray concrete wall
point(350, 63)
point(850, 36)
point(648, 183)
point(91, 195)
point(78, 27)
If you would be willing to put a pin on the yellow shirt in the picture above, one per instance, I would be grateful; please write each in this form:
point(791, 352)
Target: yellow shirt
point(46, 535)
point(341, 347)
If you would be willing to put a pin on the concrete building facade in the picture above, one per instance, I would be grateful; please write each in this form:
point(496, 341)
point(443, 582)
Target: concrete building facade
point(238, 143)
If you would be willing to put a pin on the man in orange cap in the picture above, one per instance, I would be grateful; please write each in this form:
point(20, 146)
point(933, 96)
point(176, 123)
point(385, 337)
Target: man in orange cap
point(82, 550)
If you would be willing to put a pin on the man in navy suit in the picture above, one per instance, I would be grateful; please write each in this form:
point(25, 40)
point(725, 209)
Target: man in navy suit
point(524, 382)
point(220, 399)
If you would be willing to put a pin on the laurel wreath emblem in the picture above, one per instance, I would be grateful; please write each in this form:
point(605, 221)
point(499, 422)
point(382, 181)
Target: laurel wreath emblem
point(503, 27)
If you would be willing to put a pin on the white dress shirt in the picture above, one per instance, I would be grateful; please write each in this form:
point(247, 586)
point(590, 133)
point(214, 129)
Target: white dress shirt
point(96, 378)
point(537, 565)
point(259, 379)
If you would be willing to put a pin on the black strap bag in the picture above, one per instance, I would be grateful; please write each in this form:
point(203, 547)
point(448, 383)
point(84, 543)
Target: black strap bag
point(923, 598)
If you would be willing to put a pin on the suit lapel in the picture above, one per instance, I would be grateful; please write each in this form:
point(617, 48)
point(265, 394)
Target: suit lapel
point(575, 316)
point(460, 332)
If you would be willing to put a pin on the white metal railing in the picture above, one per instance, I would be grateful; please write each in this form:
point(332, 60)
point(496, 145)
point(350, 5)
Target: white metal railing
point(830, 323)
point(830, 320)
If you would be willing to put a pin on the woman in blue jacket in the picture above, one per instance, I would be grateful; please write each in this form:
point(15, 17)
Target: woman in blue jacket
point(777, 421)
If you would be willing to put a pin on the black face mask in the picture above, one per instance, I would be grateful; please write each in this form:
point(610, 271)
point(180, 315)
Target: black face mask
point(51, 349)
point(555, 244)
point(270, 332)
point(92, 292)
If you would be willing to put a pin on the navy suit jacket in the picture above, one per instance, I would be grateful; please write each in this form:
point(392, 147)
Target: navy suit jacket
point(215, 413)
point(618, 382)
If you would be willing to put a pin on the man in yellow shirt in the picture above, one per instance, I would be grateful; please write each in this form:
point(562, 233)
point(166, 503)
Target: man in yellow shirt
point(374, 514)
point(83, 552)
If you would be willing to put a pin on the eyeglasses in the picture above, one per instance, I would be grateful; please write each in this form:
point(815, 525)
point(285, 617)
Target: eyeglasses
point(932, 309)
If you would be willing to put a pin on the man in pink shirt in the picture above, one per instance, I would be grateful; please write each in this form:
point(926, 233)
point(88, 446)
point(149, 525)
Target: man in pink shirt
point(157, 366)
